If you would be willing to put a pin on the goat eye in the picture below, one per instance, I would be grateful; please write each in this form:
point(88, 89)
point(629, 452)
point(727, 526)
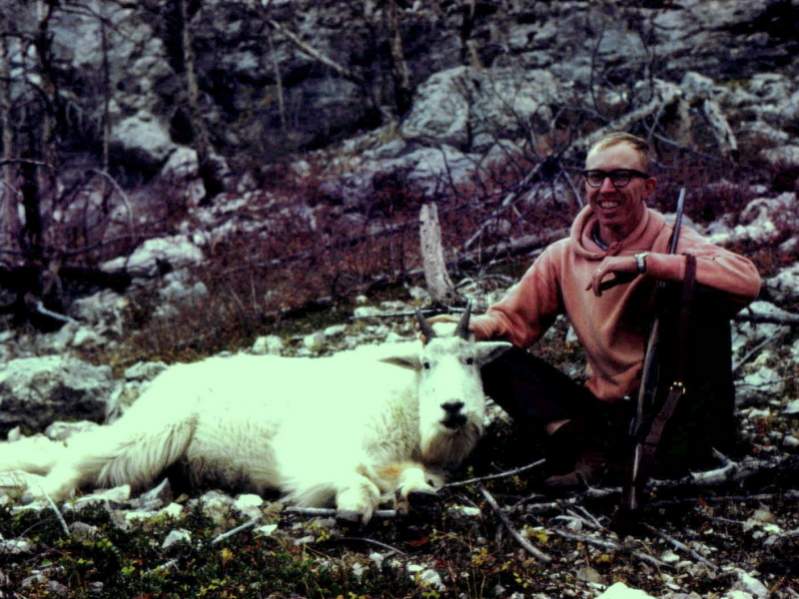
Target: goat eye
point(469, 361)
point(426, 365)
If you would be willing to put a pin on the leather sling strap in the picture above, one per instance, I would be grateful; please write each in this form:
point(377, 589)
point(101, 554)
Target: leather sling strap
point(677, 388)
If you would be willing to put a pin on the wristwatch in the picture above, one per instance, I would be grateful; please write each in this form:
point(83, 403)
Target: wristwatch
point(640, 262)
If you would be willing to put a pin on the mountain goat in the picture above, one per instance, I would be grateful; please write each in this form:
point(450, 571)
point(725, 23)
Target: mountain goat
point(352, 428)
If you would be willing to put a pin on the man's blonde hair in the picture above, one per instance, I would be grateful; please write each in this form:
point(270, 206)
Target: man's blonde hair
point(638, 144)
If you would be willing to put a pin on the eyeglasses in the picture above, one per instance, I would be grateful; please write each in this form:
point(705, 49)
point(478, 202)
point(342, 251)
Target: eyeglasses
point(619, 178)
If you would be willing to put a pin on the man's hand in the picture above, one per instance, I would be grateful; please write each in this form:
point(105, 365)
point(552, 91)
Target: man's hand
point(620, 266)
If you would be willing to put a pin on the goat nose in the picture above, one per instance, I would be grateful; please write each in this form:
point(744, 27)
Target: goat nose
point(452, 407)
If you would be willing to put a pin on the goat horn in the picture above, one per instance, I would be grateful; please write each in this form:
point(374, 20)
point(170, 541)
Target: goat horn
point(425, 327)
point(463, 326)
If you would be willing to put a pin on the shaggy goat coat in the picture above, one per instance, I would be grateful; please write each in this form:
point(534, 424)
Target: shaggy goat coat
point(353, 427)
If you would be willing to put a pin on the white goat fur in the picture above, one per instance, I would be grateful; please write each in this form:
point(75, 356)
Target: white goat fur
point(352, 428)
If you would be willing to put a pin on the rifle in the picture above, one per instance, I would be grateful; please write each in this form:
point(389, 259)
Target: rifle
point(645, 440)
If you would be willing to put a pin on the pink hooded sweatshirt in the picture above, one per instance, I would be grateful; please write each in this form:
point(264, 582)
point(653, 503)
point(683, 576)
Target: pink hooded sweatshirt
point(613, 327)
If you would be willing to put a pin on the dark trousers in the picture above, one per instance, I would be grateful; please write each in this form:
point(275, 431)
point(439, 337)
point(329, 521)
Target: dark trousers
point(535, 393)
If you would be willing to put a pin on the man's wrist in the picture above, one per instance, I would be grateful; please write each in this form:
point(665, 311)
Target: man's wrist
point(640, 262)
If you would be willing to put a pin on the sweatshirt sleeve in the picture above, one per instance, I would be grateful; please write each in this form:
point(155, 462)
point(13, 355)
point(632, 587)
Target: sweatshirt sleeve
point(716, 267)
point(528, 309)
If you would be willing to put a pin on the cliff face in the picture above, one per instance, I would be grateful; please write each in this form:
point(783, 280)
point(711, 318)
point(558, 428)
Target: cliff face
point(300, 75)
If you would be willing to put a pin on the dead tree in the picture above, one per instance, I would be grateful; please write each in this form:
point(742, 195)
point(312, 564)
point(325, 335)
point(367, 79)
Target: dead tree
point(207, 166)
point(8, 207)
point(403, 91)
point(439, 284)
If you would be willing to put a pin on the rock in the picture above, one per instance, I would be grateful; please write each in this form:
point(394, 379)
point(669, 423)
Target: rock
point(178, 294)
point(267, 530)
point(269, 344)
point(764, 383)
point(117, 495)
point(467, 109)
point(314, 342)
point(178, 535)
point(16, 546)
point(750, 585)
point(620, 590)
point(760, 218)
point(249, 505)
point(102, 311)
point(464, 511)
point(181, 164)
point(216, 505)
point(82, 531)
point(784, 286)
point(156, 497)
point(144, 371)
point(156, 256)
point(143, 139)
point(34, 391)
point(60, 431)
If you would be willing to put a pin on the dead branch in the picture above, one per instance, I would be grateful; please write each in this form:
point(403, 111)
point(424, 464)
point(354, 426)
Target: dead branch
point(680, 546)
point(532, 550)
point(725, 138)
point(665, 95)
point(784, 318)
point(324, 512)
point(507, 473)
point(609, 545)
point(391, 548)
point(439, 283)
point(729, 472)
point(756, 350)
point(234, 531)
point(312, 52)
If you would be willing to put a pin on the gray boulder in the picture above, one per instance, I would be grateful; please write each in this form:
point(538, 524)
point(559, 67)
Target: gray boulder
point(36, 391)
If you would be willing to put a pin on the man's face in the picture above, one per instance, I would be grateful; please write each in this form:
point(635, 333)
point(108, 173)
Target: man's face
point(619, 209)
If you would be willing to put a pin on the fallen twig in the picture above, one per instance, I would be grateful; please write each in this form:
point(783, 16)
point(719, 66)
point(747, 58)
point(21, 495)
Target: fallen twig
point(507, 473)
point(58, 515)
point(680, 546)
point(606, 544)
point(532, 550)
point(371, 542)
point(325, 512)
point(234, 531)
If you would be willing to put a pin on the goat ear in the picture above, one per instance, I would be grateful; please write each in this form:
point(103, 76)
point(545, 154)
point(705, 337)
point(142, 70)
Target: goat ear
point(490, 350)
point(410, 361)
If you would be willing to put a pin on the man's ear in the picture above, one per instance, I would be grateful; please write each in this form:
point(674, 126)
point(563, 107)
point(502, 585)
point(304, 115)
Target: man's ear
point(650, 185)
point(410, 361)
point(490, 350)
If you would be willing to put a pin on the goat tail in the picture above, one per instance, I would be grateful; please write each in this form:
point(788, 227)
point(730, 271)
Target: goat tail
point(35, 455)
point(138, 460)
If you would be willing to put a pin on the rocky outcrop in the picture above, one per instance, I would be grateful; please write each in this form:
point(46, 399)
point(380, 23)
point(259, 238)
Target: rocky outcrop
point(259, 86)
point(36, 391)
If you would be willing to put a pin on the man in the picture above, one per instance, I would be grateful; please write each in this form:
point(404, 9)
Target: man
point(616, 237)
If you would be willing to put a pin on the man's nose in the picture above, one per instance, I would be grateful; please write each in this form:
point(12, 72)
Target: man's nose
point(607, 185)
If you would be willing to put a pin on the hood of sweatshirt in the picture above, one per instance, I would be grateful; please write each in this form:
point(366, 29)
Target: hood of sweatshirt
point(642, 238)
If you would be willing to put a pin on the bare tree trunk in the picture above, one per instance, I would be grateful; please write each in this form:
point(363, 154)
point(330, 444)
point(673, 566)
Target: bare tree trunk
point(202, 145)
point(8, 207)
point(469, 55)
point(439, 284)
point(399, 68)
point(281, 100)
point(106, 89)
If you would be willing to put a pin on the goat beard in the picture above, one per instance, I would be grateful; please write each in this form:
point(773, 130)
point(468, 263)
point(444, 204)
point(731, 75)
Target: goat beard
point(447, 448)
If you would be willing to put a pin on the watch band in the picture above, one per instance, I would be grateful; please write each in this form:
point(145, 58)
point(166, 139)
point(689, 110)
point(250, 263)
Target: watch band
point(640, 262)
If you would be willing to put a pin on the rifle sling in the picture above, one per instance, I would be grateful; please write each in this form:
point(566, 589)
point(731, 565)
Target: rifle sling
point(677, 388)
